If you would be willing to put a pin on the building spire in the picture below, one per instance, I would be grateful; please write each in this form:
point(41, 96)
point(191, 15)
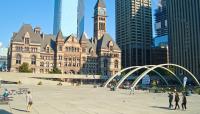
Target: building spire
point(100, 3)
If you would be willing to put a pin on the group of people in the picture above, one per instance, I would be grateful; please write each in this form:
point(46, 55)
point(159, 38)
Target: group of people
point(176, 100)
point(29, 99)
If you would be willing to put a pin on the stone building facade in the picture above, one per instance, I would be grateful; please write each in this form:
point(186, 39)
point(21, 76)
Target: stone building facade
point(98, 55)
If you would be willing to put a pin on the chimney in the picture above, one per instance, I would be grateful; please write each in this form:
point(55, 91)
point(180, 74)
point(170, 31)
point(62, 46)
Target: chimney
point(14, 34)
point(37, 30)
point(42, 36)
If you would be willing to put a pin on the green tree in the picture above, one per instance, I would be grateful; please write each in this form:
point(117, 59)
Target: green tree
point(55, 71)
point(24, 68)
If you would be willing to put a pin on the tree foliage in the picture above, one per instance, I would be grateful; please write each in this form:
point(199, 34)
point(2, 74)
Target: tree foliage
point(24, 68)
point(55, 71)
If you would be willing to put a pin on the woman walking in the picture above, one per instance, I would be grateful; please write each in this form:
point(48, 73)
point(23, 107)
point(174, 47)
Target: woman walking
point(184, 102)
point(29, 101)
point(177, 100)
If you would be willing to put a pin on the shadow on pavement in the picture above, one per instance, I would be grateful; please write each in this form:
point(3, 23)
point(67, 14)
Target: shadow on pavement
point(160, 107)
point(4, 112)
point(18, 110)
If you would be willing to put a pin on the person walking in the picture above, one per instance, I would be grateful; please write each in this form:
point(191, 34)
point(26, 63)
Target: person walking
point(177, 100)
point(184, 102)
point(132, 90)
point(170, 100)
point(5, 95)
point(29, 101)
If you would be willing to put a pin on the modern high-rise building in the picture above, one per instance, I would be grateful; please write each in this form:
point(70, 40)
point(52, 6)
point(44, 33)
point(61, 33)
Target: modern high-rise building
point(65, 17)
point(80, 18)
point(184, 34)
point(134, 31)
point(161, 24)
point(160, 53)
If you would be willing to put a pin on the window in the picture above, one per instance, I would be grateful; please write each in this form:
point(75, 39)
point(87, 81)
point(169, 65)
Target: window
point(42, 64)
point(60, 57)
point(60, 48)
point(33, 60)
point(48, 50)
point(18, 59)
point(105, 63)
point(116, 64)
point(26, 40)
point(111, 48)
point(26, 49)
point(47, 64)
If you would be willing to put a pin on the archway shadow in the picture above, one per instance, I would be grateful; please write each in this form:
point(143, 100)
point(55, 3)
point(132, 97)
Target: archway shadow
point(4, 112)
point(21, 110)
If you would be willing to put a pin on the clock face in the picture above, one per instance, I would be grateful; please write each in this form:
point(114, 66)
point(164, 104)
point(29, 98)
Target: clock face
point(101, 11)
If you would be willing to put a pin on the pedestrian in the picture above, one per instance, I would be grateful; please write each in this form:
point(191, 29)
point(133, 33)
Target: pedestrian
point(184, 102)
point(177, 100)
point(29, 101)
point(5, 95)
point(132, 90)
point(170, 100)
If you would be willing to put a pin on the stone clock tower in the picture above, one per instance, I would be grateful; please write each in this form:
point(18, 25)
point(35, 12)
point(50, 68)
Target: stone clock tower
point(99, 19)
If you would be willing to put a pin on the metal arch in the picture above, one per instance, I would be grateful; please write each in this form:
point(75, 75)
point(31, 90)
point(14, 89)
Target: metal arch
point(158, 66)
point(118, 73)
point(131, 72)
point(172, 74)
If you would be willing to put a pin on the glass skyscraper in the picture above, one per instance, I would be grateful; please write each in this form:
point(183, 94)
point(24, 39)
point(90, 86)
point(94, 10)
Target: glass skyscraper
point(81, 18)
point(65, 17)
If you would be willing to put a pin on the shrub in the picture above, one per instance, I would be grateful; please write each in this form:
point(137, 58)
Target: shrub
point(24, 68)
point(39, 83)
point(55, 71)
point(19, 82)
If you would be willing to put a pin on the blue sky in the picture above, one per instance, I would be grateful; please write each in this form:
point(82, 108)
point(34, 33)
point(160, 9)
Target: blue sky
point(40, 13)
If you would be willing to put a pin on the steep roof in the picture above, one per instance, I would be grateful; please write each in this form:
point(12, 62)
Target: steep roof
point(100, 3)
point(103, 43)
point(26, 28)
point(89, 44)
point(59, 36)
point(48, 40)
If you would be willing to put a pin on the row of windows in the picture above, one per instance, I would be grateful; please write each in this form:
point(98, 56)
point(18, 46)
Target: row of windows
point(111, 55)
point(19, 57)
point(26, 49)
point(47, 57)
point(116, 63)
point(70, 49)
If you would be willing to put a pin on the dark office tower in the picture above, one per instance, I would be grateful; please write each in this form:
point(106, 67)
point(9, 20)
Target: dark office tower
point(184, 33)
point(134, 31)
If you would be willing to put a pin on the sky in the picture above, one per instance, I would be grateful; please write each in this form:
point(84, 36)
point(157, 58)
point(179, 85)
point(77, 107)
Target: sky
point(15, 13)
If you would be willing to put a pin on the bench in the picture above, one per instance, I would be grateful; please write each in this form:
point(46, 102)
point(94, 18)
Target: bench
point(22, 91)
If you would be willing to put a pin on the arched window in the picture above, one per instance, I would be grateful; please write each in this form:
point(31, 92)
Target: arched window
point(116, 64)
point(48, 50)
point(105, 63)
point(33, 60)
point(42, 64)
point(18, 59)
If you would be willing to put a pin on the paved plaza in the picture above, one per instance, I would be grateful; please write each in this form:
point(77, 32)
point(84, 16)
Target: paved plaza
point(88, 100)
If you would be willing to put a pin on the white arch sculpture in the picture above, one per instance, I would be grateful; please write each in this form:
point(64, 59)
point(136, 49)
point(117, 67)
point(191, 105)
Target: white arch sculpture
point(118, 73)
point(135, 70)
point(110, 79)
point(162, 65)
